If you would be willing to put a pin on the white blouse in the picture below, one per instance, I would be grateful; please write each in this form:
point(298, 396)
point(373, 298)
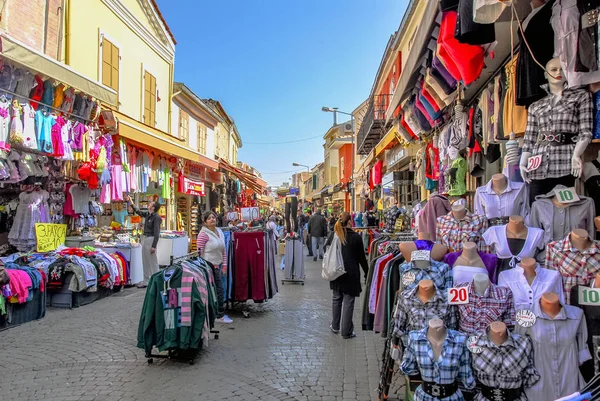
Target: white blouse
point(526, 295)
point(497, 236)
point(466, 274)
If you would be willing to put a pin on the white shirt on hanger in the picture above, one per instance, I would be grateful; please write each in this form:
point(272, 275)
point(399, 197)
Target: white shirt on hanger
point(497, 236)
point(512, 201)
point(524, 294)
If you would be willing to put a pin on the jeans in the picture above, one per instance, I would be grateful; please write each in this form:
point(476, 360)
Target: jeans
point(221, 287)
point(317, 244)
point(343, 309)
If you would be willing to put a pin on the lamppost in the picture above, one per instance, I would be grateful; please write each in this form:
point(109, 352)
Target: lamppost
point(301, 165)
point(335, 111)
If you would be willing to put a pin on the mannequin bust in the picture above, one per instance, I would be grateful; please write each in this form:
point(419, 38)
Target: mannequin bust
point(516, 228)
point(529, 265)
point(550, 304)
point(426, 290)
point(481, 282)
point(436, 334)
point(459, 211)
point(597, 281)
point(580, 239)
point(437, 252)
point(498, 333)
point(597, 223)
point(469, 256)
point(499, 183)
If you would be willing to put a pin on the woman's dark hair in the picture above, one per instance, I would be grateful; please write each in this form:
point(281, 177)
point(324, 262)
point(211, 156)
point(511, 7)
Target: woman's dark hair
point(206, 215)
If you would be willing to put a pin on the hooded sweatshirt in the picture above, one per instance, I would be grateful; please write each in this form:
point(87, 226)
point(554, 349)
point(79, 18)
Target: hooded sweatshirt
point(211, 246)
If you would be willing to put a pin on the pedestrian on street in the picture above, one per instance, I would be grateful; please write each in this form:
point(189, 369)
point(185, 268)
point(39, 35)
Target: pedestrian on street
point(347, 287)
point(317, 228)
point(211, 246)
point(151, 235)
point(308, 237)
point(302, 220)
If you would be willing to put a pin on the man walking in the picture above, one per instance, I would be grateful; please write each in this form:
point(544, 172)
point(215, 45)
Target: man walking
point(308, 238)
point(317, 228)
point(152, 224)
point(302, 220)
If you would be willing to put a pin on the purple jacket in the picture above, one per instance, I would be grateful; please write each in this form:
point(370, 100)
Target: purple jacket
point(489, 260)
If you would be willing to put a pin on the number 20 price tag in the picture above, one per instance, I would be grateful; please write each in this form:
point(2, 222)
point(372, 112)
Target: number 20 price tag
point(458, 296)
point(534, 162)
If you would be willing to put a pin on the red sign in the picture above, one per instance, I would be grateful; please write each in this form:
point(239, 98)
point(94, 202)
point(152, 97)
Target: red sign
point(192, 187)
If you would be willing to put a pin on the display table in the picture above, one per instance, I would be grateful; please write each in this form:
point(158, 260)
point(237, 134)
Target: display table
point(133, 255)
point(168, 248)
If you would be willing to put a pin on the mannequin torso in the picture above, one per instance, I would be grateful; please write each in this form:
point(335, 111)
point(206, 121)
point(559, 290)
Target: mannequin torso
point(426, 290)
point(498, 333)
point(550, 304)
point(529, 265)
point(469, 256)
point(499, 183)
point(481, 282)
point(459, 211)
point(436, 334)
point(516, 228)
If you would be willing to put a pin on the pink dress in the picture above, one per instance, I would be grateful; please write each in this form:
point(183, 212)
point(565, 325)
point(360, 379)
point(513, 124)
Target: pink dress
point(116, 182)
point(4, 126)
point(57, 142)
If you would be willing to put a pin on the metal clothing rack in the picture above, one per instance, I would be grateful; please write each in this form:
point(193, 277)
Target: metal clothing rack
point(180, 354)
point(293, 279)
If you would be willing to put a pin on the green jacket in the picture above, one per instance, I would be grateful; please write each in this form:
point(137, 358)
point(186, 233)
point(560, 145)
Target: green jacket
point(160, 326)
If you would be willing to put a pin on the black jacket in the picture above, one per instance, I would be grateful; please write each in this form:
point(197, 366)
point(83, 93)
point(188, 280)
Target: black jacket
point(317, 226)
point(353, 254)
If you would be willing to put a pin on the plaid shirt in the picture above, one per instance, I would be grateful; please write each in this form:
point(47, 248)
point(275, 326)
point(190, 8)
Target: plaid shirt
point(573, 114)
point(453, 233)
point(454, 363)
point(438, 272)
point(505, 366)
point(575, 266)
point(495, 305)
point(412, 314)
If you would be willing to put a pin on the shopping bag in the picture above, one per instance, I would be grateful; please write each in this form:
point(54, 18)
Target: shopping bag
point(333, 264)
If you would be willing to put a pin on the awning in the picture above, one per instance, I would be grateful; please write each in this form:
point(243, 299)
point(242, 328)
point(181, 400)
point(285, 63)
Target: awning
point(252, 181)
point(24, 55)
point(386, 141)
point(154, 138)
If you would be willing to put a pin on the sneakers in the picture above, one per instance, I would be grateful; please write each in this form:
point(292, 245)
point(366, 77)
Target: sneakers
point(334, 330)
point(315, 259)
point(141, 285)
point(225, 319)
point(350, 336)
point(321, 257)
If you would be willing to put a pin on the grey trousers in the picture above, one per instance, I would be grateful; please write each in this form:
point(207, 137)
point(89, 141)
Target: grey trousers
point(150, 261)
point(343, 309)
point(294, 256)
point(317, 246)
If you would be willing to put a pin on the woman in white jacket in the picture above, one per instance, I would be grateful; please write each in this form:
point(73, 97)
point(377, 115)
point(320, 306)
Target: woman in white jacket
point(211, 245)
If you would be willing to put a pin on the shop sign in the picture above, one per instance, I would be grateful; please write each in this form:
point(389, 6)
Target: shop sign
point(250, 213)
point(214, 176)
point(294, 191)
point(192, 187)
point(194, 170)
point(393, 156)
point(50, 236)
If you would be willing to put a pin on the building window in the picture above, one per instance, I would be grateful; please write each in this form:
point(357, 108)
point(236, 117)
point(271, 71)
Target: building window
point(202, 139)
point(149, 99)
point(184, 124)
point(342, 164)
point(110, 64)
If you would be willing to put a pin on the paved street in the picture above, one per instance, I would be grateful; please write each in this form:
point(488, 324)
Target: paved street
point(284, 351)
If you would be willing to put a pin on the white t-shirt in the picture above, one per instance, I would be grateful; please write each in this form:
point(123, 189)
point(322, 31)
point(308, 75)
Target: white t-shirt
point(81, 199)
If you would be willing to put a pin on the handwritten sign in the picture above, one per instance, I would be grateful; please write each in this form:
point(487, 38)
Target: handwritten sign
point(589, 296)
point(420, 255)
point(525, 318)
point(232, 216)
point(473, 346)
point(408, 278)
point(567, 195)
point(50, 236)
point(534, 162)
point(458, 296)
point(250, 213)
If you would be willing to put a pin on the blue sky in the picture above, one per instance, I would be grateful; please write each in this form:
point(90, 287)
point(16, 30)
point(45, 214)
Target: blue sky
point(274, 63)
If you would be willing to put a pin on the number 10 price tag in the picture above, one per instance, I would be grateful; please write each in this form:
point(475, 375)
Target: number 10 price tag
point(458, 296)
point(589, 296)
point(567, 195)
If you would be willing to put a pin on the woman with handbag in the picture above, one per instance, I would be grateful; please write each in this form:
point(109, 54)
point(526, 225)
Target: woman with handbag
point(347, 287)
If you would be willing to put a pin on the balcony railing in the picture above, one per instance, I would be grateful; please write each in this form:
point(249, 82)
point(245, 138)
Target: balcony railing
point(373, 125)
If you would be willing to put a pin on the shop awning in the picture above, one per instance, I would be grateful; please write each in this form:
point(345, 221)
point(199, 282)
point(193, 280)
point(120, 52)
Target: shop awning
point(252, 181)
point(154, 138)
point(24, 55)
point(386, 141)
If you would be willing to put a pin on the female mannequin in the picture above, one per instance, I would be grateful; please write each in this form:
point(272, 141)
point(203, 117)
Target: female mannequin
point(513, 242)
point(498, 333)
point(436, 336)
point(460, 226)
point(469, 264)
point(469, 256)
point(501, 198)
point(423, 243)
point(559, 333)
point(459, 212)
point(426, 290)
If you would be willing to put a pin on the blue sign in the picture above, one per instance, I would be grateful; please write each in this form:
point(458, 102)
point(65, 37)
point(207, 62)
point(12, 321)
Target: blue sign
point(294, 191)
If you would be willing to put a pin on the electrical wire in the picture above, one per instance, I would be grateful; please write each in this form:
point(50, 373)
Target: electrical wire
point(281, 143)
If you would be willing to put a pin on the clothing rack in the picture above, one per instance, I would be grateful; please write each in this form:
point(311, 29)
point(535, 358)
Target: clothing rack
point(293, 267)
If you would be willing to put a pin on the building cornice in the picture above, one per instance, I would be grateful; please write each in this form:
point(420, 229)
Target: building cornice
point(120, 10)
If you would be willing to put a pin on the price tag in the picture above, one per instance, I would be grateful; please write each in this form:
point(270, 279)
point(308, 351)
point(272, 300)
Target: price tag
point(589, 296)
point(472, 345)
point(49, 236)
point(525, 318)
point(408, 278)
point(420, 255)
point(232, 216)
point(534, 162)
point(567, 195)
point(458, 296)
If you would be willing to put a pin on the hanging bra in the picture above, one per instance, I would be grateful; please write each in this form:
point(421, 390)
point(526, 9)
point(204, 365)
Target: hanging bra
point(424, 245)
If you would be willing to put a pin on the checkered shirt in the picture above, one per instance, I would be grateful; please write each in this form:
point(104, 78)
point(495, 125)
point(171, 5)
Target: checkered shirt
point(495, 305)
point(575, 266)
point(454, 363)
point(572, 114)
point(438, 272)
point(453, 233)
point(506, 366)
point(412, 314)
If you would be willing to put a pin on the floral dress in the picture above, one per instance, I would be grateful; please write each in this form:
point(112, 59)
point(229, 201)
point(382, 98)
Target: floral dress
point(29, 137)
point(16, 126)
point(33, 208)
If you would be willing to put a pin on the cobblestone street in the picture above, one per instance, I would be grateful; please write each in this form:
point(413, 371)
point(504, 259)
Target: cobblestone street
point(284, 351)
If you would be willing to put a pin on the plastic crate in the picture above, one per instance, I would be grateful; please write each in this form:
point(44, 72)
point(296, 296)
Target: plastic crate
point(27, 312)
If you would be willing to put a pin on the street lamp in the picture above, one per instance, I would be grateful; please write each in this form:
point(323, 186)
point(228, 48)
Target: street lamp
point(301, 165)
point(335, 110)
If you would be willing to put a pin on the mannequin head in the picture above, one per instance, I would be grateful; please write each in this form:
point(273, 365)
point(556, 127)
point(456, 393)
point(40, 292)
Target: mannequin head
point(459, 211)
point(481, 282)
point(498, 333)
point(555, 76)
point(580, 239)
point(426, 290)
point(469, 248)
point(499, 182)
point(550, 304)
